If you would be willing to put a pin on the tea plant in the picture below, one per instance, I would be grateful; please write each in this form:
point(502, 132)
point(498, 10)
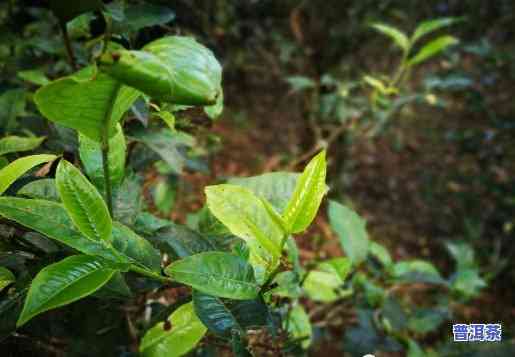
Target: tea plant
point(231, 264)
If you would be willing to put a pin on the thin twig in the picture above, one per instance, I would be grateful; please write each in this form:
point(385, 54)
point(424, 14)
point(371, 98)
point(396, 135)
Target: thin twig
point(68, 45)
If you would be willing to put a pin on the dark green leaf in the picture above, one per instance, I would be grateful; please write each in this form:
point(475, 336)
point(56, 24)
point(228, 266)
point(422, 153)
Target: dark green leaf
point(145, 15)
point(50, 219)
point(216, 273)
point(180, 241)
point(135, 247)
point(66, 11)
point(115, 288)
point(222, 316)
point(64, 282)
point(12, 105)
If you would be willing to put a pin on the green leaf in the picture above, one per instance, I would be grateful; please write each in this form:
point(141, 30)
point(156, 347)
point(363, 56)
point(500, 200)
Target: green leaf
point(432, 48)
point(139, 16)
point(184, 333)
point(463, 254)
point(417, 271)
point(309, 191)
point(3, 162)
point(467, 283)
point(396, 35)
point(6, 278)
point(102, 99)
point(17, 168)
point(11, 144)
point(169, 146)
point(90, 152)
point(12, 105)
point(300, 83)
point(83, 203)
point(34, 76)
point(350, 228)
point(173, 69)
point(247, 217)
point(381, 253)
point(137, 248)
point(425, 320)
point(222, 316)
point(216, 273)
point(215, 110)
point(64, 282)
point(275, 187)
point(44, 189)
point(164, 196)
point(66, 11)
point(323, 283)
point(50, 219)
point(115, 288)
point(299, 326)
point(180, 241)
point(429, 26)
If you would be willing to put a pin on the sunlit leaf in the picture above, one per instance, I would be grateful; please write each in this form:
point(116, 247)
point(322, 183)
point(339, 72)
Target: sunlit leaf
point(396, 35)
point(429, 26)
point(432, 48)
point(83, 202)
point(309, 191)
point(17, 168)
point(10, 144)
point(247, 217)
point(299, 326)
point(44, 189)
point(183, 333)
point(6, 278)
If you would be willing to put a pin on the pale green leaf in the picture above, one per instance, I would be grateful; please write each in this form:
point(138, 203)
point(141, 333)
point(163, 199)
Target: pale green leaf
point(323, 283)
point(309, 191)
point(64, 282)
point(274, 187)
point(429, 26)
point(6, 278)
point(247, 217)
point(216, 273)
point(10, 144)
point(90, 152)
point(83, 202)
point(34, 76)
point(432, 49)
point(17, 168)
point(184, 334)
point(396, 35)
point(350, 228)
point(299, 326)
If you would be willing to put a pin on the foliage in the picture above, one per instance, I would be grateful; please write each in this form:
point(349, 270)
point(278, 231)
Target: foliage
point(99, 126)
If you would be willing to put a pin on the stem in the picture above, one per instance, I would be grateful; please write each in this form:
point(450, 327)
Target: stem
point(105, 167)
point(150, 274)
point(68, 45)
